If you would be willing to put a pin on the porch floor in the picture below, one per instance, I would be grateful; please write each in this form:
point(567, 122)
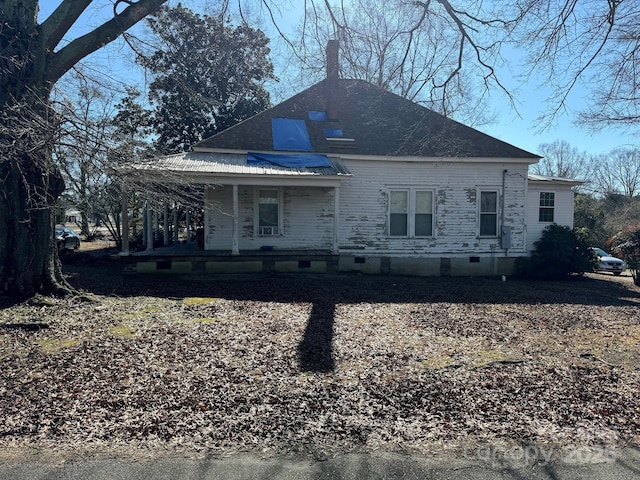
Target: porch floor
point(192, 250)
point(187, 258)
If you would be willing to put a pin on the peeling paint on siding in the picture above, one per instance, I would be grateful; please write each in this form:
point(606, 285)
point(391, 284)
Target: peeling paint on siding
point(364, 206)
point(472, 195)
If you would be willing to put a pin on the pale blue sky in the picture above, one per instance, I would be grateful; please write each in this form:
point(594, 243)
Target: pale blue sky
point(519, 128)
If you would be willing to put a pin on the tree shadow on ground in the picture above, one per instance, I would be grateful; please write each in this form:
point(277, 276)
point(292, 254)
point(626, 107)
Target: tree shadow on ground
point(315, 352)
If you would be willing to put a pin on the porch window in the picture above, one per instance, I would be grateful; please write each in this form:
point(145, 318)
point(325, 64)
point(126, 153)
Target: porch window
point(268, 212)
point(488, 214)
point(547, 206)
point(410, 213)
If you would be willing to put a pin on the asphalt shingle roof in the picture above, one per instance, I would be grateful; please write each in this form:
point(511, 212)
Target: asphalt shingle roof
point(380, 123)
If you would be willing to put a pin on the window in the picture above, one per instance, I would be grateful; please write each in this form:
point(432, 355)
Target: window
point(268, 212)
point(423, 222)
point(488, 214)
point(399, 214)
point(547, 204)
point(411, 213)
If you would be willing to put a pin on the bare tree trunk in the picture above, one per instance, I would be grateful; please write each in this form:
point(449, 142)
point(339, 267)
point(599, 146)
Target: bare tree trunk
point(29, 181)
point(28, 257)
point(31, 61)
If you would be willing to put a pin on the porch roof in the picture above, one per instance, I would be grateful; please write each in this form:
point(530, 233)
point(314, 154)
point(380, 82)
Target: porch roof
point(554, 180)
point(208, 164)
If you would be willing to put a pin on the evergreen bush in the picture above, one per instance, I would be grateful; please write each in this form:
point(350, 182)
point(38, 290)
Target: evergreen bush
point(561, 251)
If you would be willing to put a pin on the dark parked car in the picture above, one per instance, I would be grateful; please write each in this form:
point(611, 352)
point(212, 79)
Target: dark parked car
point(67, 239)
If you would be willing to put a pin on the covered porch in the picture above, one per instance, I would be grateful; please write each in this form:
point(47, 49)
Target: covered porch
point(261, 213)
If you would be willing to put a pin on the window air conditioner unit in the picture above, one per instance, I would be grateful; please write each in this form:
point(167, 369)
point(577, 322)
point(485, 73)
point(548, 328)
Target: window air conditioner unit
point(267, 231)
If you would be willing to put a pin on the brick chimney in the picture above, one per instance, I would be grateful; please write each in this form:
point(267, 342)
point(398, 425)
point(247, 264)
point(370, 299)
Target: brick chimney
point(332, 80)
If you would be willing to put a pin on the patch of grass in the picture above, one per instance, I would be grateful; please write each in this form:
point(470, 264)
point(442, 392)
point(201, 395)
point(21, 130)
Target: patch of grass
point(619, 348)
point(198, 300)
point(487, 357)
point(57, 344)
point(122, 330)
point(438, 362)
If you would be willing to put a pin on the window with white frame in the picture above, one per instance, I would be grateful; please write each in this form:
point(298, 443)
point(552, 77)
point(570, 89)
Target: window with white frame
point(547, 206)
point(488, 213)
point(410, 213)
point(268, 212)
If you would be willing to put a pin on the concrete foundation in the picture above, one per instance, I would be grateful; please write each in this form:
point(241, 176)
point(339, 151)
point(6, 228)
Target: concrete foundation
point(321, 263)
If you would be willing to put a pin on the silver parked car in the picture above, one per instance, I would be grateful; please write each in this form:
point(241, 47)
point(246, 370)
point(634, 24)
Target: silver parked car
point(67, 239)
point(607, 263)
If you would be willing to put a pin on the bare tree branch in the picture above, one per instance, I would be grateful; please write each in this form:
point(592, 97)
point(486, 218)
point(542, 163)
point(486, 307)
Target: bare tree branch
point(67, 57)
point(60, 21)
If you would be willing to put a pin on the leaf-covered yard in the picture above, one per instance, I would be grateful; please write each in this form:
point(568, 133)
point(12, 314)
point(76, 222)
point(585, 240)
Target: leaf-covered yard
point(320, 364)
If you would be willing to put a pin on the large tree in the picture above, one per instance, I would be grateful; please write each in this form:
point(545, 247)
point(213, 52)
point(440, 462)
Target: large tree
point(207, 75)
point(33, 57)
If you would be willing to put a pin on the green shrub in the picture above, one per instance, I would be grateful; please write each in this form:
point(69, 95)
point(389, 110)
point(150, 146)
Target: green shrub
point(626, 245)
point(560, 251)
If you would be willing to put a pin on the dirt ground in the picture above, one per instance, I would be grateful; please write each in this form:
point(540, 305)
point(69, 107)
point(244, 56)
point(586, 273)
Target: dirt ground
point(318, 364)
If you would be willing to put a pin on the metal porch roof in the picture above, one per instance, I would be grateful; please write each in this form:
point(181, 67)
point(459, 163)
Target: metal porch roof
point(230, 164)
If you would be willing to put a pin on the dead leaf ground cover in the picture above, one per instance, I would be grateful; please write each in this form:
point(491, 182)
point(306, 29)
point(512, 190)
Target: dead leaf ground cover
point(319, 364)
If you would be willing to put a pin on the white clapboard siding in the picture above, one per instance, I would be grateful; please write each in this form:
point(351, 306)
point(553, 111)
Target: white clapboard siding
point(307, 212)
point(307, 219)
point(363, 206)
point(563, 210)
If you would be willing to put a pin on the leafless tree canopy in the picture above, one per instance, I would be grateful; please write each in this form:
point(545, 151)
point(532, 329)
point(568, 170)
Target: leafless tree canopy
point(561, 159)
point(442, 49)
point(588, 43)
point(618, 173)
point(428, 52)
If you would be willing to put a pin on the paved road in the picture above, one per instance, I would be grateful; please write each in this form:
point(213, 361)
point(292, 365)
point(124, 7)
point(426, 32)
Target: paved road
point(526, 464)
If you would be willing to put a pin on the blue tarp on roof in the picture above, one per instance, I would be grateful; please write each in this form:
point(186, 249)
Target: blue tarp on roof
point(290, 134)
point(295, 161)
point(318, 116)
point(332, 132)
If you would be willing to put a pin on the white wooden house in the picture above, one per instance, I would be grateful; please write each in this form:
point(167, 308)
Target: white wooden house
point(347, 177)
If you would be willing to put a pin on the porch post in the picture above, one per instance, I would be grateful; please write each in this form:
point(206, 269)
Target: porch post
point(336, 217)
point(187, 222)
point(124, 204)
point(234, 243)
point(156, 230)
point(166, 224)
point(175, 223)
point(149, 226)
point(144, 224)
